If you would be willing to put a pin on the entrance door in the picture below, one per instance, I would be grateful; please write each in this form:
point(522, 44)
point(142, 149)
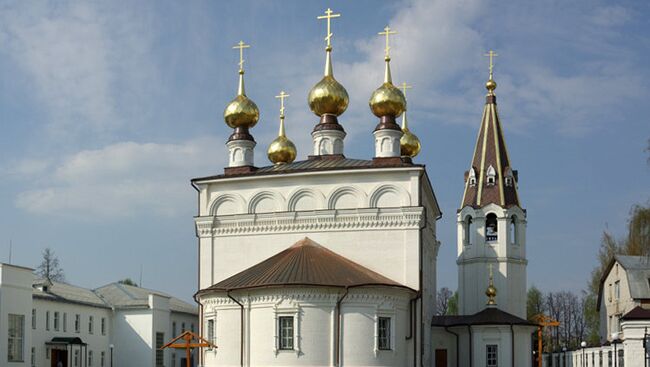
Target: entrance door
point(59, 355)
point(441, 357)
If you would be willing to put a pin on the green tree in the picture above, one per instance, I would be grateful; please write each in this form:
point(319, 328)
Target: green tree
point(534, 302)
point(452, 306)
point(128, 281)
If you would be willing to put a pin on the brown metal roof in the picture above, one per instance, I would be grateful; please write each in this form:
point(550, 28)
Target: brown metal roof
point(637, 313)
point(306, 263)
point(312, 164)
point(488, 316)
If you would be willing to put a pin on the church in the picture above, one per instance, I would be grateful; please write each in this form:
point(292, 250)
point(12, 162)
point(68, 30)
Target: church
point(331, 260)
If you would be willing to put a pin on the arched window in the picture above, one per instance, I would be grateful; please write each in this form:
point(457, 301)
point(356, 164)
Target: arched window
point(491, 227)
point(513, 230)
point(467, 231)
point(508, 177)
point(472, 177)
point(491, 176)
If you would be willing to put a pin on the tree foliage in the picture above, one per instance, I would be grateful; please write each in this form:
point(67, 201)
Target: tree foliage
point(443, 298)
point(534, 302)
point(128, 281)
point(49, 267)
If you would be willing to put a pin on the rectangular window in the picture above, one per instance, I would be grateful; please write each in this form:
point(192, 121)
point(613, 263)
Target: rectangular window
point(47, 320)
point(286, 332)
point(492, 355)
point(174, 329)
point(34, 318)
point(173, 359)
point(103, 326)
point(609, 358)
point(16, 338)
point(91, 324)
point(383, 333)
point(76, 358)
point(211, 331)
point(65, 322)
point(56, 320)
point(102, 359)
point(33, 357)
point(621, 357)
point(90, 358)
point(192, 327)
point(77, 323)
point(182, 327)
point(617, 290)
point(160, 337)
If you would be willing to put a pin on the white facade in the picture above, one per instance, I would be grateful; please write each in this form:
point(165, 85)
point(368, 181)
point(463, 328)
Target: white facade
point(55, 313)
point(381, 218)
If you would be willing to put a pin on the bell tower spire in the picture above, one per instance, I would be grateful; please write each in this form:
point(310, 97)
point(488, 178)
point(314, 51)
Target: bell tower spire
point(491, 222)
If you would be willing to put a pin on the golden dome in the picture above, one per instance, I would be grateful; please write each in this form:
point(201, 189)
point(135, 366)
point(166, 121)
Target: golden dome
point(282, 150)
point(328, 95)
point(491, 85)
point(491, 292)
point(241, 111)
point(409, 144)
point(387, 100)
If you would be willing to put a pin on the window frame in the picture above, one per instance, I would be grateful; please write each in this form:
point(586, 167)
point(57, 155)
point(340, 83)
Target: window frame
point(389, 330)
point(287, 310)
point(91, 324)
point(18, 339)
point(77, 323)
point(282, 338)
point(492, 355)
point(160, 354)
point(57, 320)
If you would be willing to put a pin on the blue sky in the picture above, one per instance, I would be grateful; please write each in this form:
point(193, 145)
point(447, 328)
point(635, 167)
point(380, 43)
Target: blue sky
point(107, 110)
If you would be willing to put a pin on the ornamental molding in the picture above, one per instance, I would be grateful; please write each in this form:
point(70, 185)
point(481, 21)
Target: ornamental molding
point(475, 260)
point(311, 221)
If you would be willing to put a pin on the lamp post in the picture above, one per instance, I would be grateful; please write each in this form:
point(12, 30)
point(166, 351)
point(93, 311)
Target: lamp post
point(564, 356)
point(583, 345)
point(111, 347)
point(615, 340)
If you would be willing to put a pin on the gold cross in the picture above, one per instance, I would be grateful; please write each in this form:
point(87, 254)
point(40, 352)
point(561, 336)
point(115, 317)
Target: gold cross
point(404, 87)
point(241, 46)
point(282, 96)
point(491, 54)
point(490, 266)
point(328, 15)
point(387, 32)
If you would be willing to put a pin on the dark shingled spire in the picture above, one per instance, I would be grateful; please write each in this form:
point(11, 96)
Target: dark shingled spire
point(491, 179)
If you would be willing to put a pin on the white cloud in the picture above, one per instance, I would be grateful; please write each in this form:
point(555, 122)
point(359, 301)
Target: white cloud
point(125, 179)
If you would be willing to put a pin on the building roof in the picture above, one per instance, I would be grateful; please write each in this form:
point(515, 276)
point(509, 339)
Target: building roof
point(316, 163)
point(306, 263)
point(490, 154)
point(488, 316)
point(637, 313)
point(126, 296)
point(637, 270)
point(114, 295)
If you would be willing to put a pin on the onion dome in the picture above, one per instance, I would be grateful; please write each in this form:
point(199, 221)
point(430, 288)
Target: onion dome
point(387, 100)
point(241, 112)
point(328, 96)
point(409, 142)
point(282, 150)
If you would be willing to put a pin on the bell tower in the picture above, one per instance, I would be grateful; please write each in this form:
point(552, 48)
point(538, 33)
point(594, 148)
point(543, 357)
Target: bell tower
point(491, 222)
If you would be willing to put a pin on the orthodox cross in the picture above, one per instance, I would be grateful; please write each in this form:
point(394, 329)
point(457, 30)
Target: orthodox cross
point(491, 54)
point(404, 87)
point(282, 96)
point(329, 15)
point(387, 32)
point(241, 46)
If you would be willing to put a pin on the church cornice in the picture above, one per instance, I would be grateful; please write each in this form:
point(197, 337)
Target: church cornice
point(311, 221)
point(474, 260)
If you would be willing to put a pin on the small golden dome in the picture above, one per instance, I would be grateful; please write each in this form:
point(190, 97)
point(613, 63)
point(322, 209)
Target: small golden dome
point(241, 111)
point(387, 100)
point(328, 96)
point(491, 85)
point(409, 144)
point(282, 150)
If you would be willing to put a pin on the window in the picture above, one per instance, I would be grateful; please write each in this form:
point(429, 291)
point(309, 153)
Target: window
point(492, 355)
point(56, 320)
point(383, 333)
point(617, 290)
point(76, 357)
point(467, 237)
point(33, 357)
point(513, 230)
point(174, 329)
point(472, 177)
point(621, 357)
point(77, 323)
point(192, 327)
point(600, 358)
point(160, 337)
point(211, 331)
point(182, 327)
point(91, 324)
point(103, 326)
point(90, 358)
point(609, 358)
point(34, 318)
point(65, 322)
point(102, 358)
point(286, 332)
point(173, 359)
point(47, 320)
point(491, 227)
point(491, 176)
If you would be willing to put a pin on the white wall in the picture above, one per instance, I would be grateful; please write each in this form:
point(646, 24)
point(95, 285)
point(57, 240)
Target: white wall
point(15, 298)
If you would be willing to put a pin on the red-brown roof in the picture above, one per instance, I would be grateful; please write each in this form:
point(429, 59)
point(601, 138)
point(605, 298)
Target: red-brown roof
point(637, 313)
point(306, 263)
point(490, 150)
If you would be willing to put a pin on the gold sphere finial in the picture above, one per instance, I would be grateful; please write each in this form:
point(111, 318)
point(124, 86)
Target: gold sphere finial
point(409, 142)
point(491, 291)
point(282, 150)
point(241, 112)
point(490, 85)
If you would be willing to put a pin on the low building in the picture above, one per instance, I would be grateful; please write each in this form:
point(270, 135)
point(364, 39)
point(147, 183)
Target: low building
point(44, 323)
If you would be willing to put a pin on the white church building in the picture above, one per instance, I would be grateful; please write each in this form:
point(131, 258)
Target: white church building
point(331, 261)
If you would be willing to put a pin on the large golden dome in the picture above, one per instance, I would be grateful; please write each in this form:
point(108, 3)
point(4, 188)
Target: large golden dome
point(282, 150)
point(241, 111)
point(409, 144)
point(328, 96)
point(387, 100)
